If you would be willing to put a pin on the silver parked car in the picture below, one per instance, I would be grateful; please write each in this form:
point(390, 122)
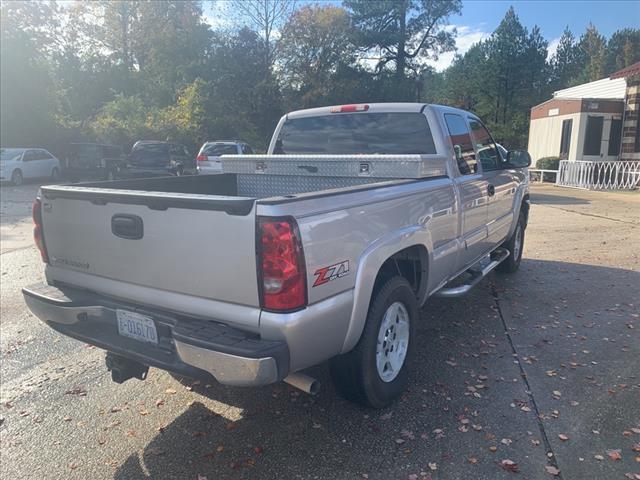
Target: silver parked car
point(18, 164)
point(209, 155)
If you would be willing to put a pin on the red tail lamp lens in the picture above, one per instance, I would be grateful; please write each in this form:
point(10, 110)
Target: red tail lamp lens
point(281, 263)
point(38, 235)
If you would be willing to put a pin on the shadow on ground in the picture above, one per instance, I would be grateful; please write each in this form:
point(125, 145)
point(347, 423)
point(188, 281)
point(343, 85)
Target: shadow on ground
point(548, 199)
point(468, 407)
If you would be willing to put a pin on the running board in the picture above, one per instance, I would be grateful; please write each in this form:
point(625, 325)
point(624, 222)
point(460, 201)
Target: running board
point(496, 258)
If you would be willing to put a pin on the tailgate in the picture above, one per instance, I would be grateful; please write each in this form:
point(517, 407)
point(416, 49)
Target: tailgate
point(194, 245)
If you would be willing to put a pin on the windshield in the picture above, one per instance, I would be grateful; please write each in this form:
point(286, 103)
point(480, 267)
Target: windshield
point(370, 133)
point(9, 154)
point(147, 150)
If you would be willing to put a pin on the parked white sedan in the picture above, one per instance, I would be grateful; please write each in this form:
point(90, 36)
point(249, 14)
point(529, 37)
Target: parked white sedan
point(18, 164)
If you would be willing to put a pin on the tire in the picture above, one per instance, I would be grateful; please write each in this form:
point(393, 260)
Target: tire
point(16, 178)
point(359, 375)
point(515, 245)
point(55, 174)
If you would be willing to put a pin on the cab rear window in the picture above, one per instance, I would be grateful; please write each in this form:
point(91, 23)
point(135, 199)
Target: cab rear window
point(357, 133)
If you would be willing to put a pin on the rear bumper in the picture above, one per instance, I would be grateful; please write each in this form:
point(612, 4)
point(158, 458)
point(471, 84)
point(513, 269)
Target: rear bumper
point(187, 346)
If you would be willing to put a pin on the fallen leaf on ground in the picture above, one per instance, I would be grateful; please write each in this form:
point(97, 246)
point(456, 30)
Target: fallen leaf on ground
point(551, 470)
point(598, 457)
point(614, 454)
point(509, 465)
point(170, 391)
point(563, 437)
point(76, 390)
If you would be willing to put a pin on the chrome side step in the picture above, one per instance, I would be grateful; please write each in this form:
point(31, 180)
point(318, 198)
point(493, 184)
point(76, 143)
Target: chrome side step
point(495, 259)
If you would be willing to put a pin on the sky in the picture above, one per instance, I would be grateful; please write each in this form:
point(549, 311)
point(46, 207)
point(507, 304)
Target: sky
point(479, 18)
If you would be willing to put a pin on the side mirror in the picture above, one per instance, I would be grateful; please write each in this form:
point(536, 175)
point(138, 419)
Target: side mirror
point(518, 159)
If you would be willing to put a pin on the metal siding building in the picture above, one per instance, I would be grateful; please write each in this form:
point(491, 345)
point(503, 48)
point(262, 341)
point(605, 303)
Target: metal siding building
point(579, 123)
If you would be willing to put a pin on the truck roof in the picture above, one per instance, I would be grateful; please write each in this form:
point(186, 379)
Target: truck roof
point(408, 107)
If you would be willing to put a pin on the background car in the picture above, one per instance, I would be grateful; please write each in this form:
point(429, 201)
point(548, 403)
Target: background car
point(209, 155)
point(93, 161)
point(150, 158)
point(18, 164)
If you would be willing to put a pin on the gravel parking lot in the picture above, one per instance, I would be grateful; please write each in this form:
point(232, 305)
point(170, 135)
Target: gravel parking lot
point(534, 375)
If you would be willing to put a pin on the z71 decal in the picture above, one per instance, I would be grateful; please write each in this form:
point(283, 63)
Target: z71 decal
point(326, 274)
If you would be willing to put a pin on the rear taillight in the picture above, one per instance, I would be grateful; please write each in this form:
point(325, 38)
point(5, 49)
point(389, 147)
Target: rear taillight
point(349, 108)
point(38, 234)
point(201, 158)
point(281, 270)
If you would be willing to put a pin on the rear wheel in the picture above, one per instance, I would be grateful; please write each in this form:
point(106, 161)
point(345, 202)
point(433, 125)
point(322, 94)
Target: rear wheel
point(376, 371)
point(16, 177)
point(515, 245)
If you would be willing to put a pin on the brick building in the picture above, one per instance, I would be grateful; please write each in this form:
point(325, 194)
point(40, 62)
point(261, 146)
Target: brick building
point(630, 149)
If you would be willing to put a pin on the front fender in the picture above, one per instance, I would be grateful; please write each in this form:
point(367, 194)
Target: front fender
point(368, 267)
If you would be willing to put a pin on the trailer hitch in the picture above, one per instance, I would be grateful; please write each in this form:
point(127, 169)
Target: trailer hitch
point(122, 369)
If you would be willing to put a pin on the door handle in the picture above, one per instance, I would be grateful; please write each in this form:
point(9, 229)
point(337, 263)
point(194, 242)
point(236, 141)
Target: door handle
point(491, 190)
point(127, 226)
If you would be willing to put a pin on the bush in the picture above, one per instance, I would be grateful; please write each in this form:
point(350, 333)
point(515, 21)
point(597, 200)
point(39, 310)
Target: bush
point(548, 163)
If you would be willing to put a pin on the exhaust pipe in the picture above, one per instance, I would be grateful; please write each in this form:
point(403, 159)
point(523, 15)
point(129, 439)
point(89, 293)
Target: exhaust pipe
point(303, 382)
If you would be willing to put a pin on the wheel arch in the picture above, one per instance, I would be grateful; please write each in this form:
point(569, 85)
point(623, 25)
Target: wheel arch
point(405, 253)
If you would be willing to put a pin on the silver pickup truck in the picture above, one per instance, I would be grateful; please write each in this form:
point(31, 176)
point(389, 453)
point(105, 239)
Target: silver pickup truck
point(323, 249)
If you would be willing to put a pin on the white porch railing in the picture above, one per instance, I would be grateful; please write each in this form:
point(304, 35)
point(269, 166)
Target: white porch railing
point(539, 174)
point(599, 175)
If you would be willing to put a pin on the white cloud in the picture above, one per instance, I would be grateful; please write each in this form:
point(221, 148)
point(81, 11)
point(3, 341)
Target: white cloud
point(552, 48)
point(467, 36)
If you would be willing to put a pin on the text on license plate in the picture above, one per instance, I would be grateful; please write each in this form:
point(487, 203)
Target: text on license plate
point(137, 326)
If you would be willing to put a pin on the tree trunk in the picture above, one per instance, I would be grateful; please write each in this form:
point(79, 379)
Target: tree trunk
point(400, 57)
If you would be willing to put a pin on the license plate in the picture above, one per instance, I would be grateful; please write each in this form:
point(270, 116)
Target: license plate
point(139, 327)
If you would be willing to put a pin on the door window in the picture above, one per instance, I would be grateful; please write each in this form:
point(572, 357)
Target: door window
point(30, 156)
point(246, 149)
point(44, 155)
point(487, 150)
point(593, 136)
point(565, 139)
point(462, 145)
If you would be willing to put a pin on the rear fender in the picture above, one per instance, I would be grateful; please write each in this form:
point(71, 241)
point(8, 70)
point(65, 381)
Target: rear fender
point(368, 267)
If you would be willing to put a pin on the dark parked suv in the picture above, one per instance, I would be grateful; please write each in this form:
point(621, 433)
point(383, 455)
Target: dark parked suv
point(93, 161)
point(149, 158)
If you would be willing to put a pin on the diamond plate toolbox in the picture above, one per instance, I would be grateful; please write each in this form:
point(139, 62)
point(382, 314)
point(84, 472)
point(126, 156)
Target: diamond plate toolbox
point(371, 166)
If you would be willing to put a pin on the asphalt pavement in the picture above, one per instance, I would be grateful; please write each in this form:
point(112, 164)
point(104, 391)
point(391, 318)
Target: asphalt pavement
point(534, 375)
